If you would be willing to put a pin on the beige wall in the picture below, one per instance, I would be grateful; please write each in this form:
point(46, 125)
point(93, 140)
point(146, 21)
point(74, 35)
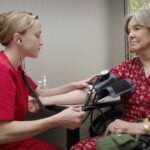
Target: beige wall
point(81, 37)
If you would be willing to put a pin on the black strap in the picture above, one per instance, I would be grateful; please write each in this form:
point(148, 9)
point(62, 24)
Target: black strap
point(35, 95)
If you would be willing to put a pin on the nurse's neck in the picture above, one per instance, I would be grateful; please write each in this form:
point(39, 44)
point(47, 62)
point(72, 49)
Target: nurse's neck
point(13, 56)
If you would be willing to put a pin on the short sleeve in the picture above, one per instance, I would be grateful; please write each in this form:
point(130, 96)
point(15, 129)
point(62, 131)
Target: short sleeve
point(7, 94)
point(122, 69)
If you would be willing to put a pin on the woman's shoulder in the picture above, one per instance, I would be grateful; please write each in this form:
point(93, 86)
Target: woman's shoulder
point(125, 68)
point(131, 62)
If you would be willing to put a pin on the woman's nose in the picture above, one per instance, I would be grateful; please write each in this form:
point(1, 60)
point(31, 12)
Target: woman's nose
point(131, 34)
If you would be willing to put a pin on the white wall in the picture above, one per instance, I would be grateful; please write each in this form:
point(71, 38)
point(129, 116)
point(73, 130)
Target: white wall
point(75, 40)
point(117, 36)
point(81, 37)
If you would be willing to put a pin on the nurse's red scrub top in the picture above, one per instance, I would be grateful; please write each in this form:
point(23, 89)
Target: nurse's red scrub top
point(14, 103)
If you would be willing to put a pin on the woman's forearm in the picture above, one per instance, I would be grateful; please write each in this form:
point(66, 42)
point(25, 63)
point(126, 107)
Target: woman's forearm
point(139, 128)
point(70, 98)
point(133, 128)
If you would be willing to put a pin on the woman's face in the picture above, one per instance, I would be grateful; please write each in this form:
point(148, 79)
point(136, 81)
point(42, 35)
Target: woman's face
point(138, 37)
point(31, 41)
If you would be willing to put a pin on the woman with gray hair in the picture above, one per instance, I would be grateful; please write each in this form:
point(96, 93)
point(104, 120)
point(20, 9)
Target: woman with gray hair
point(20, 34)
point(137, 103)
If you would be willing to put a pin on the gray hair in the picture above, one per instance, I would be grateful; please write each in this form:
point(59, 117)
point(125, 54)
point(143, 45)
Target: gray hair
point(142, 17)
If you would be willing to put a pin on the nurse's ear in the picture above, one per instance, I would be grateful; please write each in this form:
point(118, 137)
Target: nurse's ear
point(17, 39)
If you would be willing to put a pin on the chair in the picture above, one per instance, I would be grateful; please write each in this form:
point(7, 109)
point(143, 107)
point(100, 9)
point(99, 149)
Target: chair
point(100, 123)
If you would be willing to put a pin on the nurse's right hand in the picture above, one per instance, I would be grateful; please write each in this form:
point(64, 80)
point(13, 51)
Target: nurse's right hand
point(71, 117)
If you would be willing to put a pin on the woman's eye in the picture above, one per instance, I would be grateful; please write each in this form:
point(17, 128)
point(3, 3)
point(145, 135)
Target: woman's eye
point(128, 32)
point(137, 27)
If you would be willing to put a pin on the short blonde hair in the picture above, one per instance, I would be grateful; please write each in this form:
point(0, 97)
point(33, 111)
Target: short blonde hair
point(14, 22)
point(142, 17)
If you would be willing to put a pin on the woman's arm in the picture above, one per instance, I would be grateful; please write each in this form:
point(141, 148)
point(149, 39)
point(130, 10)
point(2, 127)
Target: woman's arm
point(18, 130)
point(51, 97)
point(120, 126)
point(70, 98)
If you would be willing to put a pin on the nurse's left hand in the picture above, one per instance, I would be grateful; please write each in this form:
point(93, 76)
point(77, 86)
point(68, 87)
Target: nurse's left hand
point(32, 105)
point(85, 83)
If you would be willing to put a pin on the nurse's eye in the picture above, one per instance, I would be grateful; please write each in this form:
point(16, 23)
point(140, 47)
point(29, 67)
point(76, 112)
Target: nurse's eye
point(38, 36)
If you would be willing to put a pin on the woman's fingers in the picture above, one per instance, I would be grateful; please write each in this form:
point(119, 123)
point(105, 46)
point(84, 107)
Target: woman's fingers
point(115, 127)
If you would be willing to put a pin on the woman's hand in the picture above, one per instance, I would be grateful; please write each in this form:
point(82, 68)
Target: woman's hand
point(84, 83)
point(120, 126)
point(71, 117)
point(33, 105)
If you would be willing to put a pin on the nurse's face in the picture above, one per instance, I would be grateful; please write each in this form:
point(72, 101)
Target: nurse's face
point(31, 41)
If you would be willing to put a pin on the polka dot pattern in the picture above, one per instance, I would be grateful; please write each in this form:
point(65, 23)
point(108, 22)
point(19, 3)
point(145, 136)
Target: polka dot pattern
point(136, 103)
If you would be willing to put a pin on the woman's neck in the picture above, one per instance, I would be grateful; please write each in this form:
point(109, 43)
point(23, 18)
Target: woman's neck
point(145, 59)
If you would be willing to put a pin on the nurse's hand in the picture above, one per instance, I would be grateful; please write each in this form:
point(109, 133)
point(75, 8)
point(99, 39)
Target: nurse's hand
point(84, 83)
point(33, 105)
point(71, 117)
